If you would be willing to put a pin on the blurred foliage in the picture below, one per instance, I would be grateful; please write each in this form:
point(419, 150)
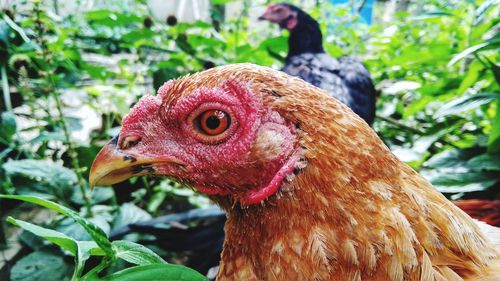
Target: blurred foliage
point(435, 65)
point(147, 264)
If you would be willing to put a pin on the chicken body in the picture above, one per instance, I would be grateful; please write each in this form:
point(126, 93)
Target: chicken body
point(344, 78)
point(310, 191)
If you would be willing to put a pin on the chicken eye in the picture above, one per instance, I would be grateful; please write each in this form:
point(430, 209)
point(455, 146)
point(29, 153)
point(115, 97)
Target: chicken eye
point(213, 122)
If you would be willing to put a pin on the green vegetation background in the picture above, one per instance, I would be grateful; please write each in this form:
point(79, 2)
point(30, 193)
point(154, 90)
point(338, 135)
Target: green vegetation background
point(435, 65)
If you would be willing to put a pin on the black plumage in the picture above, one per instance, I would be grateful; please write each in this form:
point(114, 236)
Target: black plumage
point(344, 78)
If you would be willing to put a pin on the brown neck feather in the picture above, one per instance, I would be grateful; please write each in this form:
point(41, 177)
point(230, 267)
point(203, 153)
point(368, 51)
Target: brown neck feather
point(355, 211)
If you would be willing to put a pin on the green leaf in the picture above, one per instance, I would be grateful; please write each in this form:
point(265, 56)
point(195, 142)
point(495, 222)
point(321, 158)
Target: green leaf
point(465, 103)
point(99, 194)
point(41, 266)
point(494, 68)
point(485, 162)
point(135, 253)
point(221, 2)
point(129, 213)
point(53, 236)
point(488, 44)
point(41, 170)
point(17, 28)
point(97, 234)
point(8, 126)
point(494, 138)
point(82, 250)
point(481, 10)
point(432, 15)
point(459, 180)
point(156, 272)
point(111, 18)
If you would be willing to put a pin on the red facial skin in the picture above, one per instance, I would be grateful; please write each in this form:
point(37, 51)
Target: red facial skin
point(258, 141)
point(282, 15)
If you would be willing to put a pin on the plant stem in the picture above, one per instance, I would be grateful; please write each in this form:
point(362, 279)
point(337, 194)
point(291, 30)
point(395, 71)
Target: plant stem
point(401, 125)
point(5, 89)
point(94, 271)
point(82, 183)
point(73, 155)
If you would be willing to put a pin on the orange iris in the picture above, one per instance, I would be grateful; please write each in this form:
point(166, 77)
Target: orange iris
point(214, 122)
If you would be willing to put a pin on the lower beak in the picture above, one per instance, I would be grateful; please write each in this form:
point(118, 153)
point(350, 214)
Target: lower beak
point(112, 165)
point(263, 17)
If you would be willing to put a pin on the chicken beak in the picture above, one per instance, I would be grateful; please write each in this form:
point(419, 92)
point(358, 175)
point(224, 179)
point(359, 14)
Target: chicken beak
point(263, 16)
point(112, 165)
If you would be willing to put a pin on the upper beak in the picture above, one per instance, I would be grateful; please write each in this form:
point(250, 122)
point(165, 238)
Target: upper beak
point(264, 16)
point(112, 165)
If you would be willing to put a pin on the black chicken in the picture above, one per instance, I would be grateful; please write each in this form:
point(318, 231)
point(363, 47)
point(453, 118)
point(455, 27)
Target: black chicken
point(344, 78)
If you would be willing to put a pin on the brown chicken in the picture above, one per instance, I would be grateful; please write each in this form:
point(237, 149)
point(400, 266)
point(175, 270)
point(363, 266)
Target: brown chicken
point(310, 191)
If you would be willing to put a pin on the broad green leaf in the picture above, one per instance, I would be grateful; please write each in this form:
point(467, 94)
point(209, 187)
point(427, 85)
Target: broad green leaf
point(111, 18)
point(447, 159)
point(41, 170)
point(471, 187)
point(156, 272)
point(465, 103)
point(41, 266)
point(48, 136)
point(53, 236)
point(485, 162)
point(99, 194)
point(129, 213)
point(97, 234)
point(459, 180)
point(82, 250)
point(135, 253)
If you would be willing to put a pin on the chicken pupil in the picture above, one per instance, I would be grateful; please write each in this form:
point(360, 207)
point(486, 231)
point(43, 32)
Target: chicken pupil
point(213, 122)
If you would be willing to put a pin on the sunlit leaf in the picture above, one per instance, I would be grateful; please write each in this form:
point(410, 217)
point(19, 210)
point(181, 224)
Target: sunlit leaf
point(156, 272)
point(97, 234)
point(53, 236)
point(465, 103)
point(488, 44)
point(135, 253)
point(41, 170)
point(432, 15)
point(483, 9)
point(221, 2)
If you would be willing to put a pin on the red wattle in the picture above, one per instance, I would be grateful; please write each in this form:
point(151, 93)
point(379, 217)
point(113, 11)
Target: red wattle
point(255, 197)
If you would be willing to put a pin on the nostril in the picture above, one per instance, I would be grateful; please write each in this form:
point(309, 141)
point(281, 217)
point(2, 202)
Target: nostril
point(129, 141)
